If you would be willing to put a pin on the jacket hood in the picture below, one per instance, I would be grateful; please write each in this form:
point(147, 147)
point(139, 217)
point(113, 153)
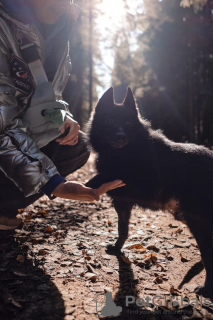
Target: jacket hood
point(55, 36)
point(19, 9)
point(20, 12)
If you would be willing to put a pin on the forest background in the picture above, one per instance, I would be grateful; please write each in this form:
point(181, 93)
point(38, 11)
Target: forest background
point(162, 49)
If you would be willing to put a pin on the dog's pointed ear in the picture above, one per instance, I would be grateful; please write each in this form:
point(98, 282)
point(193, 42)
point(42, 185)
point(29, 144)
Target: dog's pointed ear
point(129, 101)
point(106, 101)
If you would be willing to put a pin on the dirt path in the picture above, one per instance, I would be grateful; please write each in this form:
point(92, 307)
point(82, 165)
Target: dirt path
point(56, 267)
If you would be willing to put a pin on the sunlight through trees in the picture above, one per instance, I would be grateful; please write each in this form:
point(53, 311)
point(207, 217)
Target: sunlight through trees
point(162, 49)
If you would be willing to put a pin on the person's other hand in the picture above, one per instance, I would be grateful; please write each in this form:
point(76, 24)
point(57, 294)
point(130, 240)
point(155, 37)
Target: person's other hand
point(78, 191)
point(72, 137)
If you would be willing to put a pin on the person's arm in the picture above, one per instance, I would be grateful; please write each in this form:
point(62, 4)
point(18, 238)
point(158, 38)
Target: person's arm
point(78, 191)
point(20, 158)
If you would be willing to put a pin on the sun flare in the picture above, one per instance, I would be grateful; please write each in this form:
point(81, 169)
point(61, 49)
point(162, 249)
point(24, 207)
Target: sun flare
point(113, 12)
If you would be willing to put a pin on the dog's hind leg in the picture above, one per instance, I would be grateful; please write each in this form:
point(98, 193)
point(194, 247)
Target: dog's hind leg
point(203, 233)
point(123, 209)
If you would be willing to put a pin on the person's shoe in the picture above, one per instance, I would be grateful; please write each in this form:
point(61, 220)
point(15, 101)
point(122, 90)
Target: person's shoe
point(9, 223)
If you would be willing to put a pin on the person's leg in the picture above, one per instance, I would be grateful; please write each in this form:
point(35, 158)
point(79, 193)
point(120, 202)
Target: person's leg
point(67, 160)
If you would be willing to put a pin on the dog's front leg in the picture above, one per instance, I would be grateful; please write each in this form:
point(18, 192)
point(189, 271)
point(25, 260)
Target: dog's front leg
point(123, 209)
point(100, 179)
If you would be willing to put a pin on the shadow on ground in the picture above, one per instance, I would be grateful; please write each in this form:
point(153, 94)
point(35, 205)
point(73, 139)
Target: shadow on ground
point(25, 291)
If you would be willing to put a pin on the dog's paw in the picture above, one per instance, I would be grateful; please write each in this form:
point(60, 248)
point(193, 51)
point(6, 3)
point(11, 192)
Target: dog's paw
point(113, 250)
point(205, 291)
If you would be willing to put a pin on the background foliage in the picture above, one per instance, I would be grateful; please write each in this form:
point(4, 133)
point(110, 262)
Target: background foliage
point(164, 51)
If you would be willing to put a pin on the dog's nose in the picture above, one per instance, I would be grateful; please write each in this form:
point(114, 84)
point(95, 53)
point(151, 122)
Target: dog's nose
point(120, 137)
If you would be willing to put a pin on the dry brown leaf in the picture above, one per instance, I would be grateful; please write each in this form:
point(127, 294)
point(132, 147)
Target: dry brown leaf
point(27, 218)
point(42, 212)
point(137, 246)
point(172, 225)
point(153, 257)
point(43, 201)
point(43, 252)
point(162, 268)
point(48, 230)
point(20, 258)
point(179, 230)
point(91, 276)
point(126, 260)
point(158, 280)
point(153, 247)
point(174, 291)
point(183, 259)
point(108, 270)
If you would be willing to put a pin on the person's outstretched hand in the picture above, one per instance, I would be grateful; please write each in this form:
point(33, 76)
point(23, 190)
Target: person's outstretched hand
point(77, 191)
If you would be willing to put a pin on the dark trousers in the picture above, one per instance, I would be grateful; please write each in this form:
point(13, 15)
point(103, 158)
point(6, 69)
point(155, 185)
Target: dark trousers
point(67, 159)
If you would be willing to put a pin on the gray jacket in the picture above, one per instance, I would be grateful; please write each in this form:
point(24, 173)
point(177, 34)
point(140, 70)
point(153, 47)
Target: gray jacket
point(20, 158)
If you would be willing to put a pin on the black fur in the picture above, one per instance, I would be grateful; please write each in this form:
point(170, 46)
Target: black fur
point(156, 170)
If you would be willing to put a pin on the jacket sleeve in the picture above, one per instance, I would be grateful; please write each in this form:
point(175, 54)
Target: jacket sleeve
point(20, 158)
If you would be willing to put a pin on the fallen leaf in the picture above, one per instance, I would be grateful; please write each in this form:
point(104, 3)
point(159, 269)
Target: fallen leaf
point(162, 268)
point(20, 258)
point(42, 212)
point(179, 230)
point(183, 259)
point(173, 225)
point(140, 264)
point(108, 270)
point(153, 247)
point(48, 230)
point(91, 276)
point(43, 252)
point(174, 291)
point(109, 223)
point(27, 218)
point(153, 257)
point(106, 257)
point(126, 260)
point(158, 280)
point(137, 246)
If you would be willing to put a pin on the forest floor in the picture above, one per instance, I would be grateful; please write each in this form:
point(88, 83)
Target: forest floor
point(56, 266)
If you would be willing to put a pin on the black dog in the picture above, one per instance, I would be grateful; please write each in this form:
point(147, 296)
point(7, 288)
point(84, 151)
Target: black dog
point(159, 173)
